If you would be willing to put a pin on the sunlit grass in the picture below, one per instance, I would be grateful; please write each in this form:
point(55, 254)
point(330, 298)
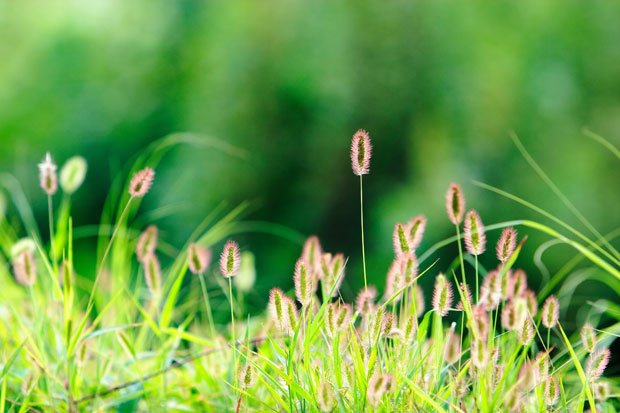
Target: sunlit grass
point(141, 336)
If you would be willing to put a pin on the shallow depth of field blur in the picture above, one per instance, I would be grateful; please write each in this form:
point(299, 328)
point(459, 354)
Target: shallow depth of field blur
point(439, 86)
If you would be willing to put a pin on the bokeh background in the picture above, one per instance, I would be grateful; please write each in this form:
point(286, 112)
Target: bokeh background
point(438, 84)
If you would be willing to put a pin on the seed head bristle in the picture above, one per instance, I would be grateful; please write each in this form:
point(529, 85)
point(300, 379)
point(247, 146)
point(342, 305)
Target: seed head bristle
point(141, 182)
point(455, 203)
point(365, 301)
point(48, 177)
point(442, 295)
point(361, 150)
point(72, 174)
point(550, 312)
point(596, 364)
point(326, 397)
point(152, 273)
point(147, 242)
point(473, 232)
point(551, 391)
point(304, 282)
point(506, 244)
point(400, 240)
point(416, 228)
point(25, 268)
point(198, 258)
point(230, 259)
point(588, 337)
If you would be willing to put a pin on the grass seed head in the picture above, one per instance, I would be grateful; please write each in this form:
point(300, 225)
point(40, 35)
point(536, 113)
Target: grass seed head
point(455, 203)
point(72, 174)
point(452, 350)
point(506, 244)
point(365, 301)
point(141, 182)
point(247, 376)
point(442, 295)
point(378, 385)
point(304, 282)
point(588, 337)
point(326, 397)
point(550, 312)
point(198, 258)
point(152, 273)
point(230, 259)
point(601, 390)
point(518, 283)
point(416, 228)
point(551, 391)
point(25, 268)
point(532, 302)
point(473, 233)
point(361, 150)
point(312, 253)
point(147, 242)
point(596, 364)
point(526, 332)
point(48, 178)
point(417, 298)
point(278, 309)
point(400, 240)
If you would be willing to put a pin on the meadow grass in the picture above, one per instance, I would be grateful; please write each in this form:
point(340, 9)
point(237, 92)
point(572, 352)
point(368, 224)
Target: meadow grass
point(137, 335)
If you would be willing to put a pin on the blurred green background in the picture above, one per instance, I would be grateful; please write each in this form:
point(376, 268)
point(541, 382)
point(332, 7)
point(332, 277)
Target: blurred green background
point(438, 84)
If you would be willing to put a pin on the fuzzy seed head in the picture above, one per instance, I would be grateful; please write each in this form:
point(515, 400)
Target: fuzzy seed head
point(292, 314)
point(518, 283)
point(417, 297)
point(509, 316)
point(152, 273)
point(24, 244)
point(147, 242)
point(72, 174)
point(326, 397)
point(361, 150)
point(278, 309)
point(400, 240)
point(473, 232)
point(416, 228)
point(550, 312)
point(601, 390)
point(506, 244)
point(526, 332)
point(596, 364)
point(532, 302)
point(247, 376)
point(455, 203)
point(304, 282)
point(141, 182)
point(552, 391)
point(513, 400)
point(442, 295)
point(312, 253)
point(389, 324)
point(409, 326)
point(230, 259)
point(588, 337)
point(491, 291)
point(452, 350)
point(480, 322)
point(25, 268)
point(479, 353)
point(198, 258)
point(378, 385)
point(365, 301)
point(48, 177)
point(543, 361)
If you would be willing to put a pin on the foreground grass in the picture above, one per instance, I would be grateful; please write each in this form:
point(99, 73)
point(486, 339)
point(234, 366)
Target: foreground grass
point(139, 336)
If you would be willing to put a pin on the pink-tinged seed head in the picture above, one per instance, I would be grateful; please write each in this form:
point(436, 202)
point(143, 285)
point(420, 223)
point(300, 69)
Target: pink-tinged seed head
point(455, 203)
point(532, 302)
point(479, 353)
point(551, 391)
point(312, 252)
point(304, 282)
point(588, 337)
point(147, 242)
point(473, 232)
point(278, 309)
point(247, 376)
point(292, 314)
point(48, 178)
point(25, 268)
point(596, 364)
point(141, 182)
point(365, 301)
point(601, 390)
point(416, 228)
point(464, 288)
point(506, 244)
point(442, 295)
point(491, 290)
point(509, 316)
point(152, 273)
point(518, 283)
point(230, 259)
point(361, 150)
point(526, 332)
point(400, 240)
point(480, 322)
point(332, 273)
point(543, 363)
point(452, 349)
point(378, 385)
point(198, 258)
point(550, 312)
point(326, 397)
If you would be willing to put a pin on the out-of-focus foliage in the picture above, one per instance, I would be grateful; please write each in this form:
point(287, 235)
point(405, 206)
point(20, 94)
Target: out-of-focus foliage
point(437, 84)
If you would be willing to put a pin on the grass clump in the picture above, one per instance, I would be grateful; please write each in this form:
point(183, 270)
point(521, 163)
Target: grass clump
point(140, 335)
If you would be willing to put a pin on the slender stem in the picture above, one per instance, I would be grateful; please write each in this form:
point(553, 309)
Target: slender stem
point(548, 336)
point(458, 241)
point(477, 285)
point(234, 342)
point(205, 295)
point(50, 215)
point(362, 227)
